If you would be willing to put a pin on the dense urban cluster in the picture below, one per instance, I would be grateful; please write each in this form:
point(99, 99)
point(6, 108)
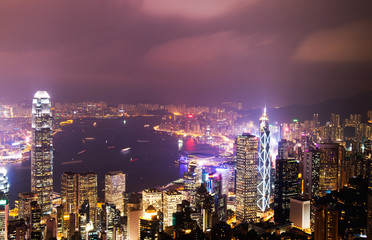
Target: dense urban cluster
point(297, 180)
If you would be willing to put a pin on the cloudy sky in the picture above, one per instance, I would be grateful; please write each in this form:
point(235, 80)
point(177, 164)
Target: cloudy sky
point(190, 51)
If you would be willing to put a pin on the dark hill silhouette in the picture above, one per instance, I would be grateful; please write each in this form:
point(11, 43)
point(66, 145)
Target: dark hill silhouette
point(344, 106)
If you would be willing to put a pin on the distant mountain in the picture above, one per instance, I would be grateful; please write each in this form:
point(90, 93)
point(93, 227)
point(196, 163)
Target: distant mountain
point(345, 106)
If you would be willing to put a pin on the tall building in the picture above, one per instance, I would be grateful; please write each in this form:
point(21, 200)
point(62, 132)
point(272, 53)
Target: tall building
point(77, 188)
point(4, 205)
point(42, 151)
point(170, 201)
point(300, 213)
point(286, 187)
point(331, 157)
point(326, 223)
point(246, 178)
point(310, 175)
point(150, 224)
point(152, 197)
point(69, 192)
point(24, 204)
point(115, 186)
point(264, 165)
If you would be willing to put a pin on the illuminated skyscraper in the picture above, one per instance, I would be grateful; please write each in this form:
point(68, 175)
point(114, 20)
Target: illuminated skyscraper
point(286, 187)
point(152, 197)
point(4, 206)
point(171, 199)
point(42, 151)
point(331, 156)
point(264, 165)
point(77, 189)
point(246, 178)
point(115, 186)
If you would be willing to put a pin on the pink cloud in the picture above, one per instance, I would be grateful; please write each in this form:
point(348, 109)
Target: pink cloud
point(194, 9)
point(349, 43)
point(201, 49)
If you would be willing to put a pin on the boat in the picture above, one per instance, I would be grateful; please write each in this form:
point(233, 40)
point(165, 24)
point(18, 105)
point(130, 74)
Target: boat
point(90, 138)
point(111, 147)
point(143, 141)
point(94, 124)
point(82, 152)
point(124, 150)
point(133, 160)
point(146, 125)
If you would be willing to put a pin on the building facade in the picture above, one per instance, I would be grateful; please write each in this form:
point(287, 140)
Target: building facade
point(264, 165)
point(42, 151)
point(246, 178)
point(115, 186)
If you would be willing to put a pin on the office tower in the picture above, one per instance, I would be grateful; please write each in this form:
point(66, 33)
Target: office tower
point(326, 223)
point(331, 157)
point(84, 220)
point(300, 213)
point(4, 215)
point(149, 224)
point(42, 151)
point(152, 197)
point(4, 184)
point(78, 188)
point(170, 201)
point(115, 186)
point(87, 190)
point(134, 213)
point(35, 219)
point(24, 204)
point(310, 175)
point(246, 178)
point(69, 192)
point(286, 187)
point(203, 205)
point(112, 217)
point(4, 206)
point(264, 165)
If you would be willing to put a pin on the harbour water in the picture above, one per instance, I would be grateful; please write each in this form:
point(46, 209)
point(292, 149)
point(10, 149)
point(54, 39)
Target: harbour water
point(85, 146)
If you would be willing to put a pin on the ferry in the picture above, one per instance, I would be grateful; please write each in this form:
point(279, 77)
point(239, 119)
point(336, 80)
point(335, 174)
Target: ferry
point(124, 150)
point(82, 152)
point(133, 160)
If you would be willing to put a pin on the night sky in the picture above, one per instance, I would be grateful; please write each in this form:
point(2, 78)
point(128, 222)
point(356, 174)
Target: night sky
point(190, 51)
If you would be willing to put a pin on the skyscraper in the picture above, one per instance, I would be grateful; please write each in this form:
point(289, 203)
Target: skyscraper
point(170, 199)
point(264, 165)
point(286, 187)
point(152, 197)
point(42, 151)
point(246, 178)
point(115, 186)
point(78, 188)
point(4, 206)
point(331, 156)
